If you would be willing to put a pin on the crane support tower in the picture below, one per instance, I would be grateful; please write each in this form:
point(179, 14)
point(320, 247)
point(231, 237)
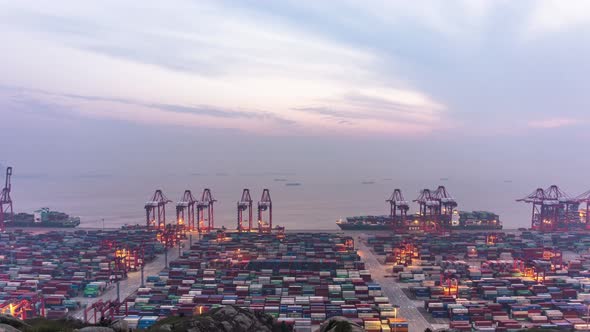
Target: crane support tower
point(6, 212)
point(155, 210)
point(397, 204)
point(185, 211)
point(446, 207)
point(446, 202)
point(265, 204)
point(585, 198)
point(244, 204)
point(552, 210)
point(428, 216)
point(206, 203)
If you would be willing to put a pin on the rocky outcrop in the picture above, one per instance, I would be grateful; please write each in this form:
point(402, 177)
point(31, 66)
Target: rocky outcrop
point(96, 329)
point(340, 324)
point(8, 328)
point(225, 319)
point(13, 321)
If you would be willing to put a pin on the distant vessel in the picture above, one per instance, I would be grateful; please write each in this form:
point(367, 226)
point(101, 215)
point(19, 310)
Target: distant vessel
point(292, 184)
point(368, 182)
point(44, 217)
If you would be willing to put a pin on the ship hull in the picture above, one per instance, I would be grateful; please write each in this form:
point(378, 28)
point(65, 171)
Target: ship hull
point(387, 227)
point(357, 227)
point(48, 224)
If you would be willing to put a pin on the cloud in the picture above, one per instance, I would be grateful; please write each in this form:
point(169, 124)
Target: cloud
point(221, 113)
point(210, 60)
point(554, 123)
point(389, 109)
point(65, 105)
point(551, 16)
point(202, 110)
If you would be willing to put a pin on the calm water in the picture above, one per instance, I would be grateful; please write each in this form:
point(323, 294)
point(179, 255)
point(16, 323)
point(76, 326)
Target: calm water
point(316, 204)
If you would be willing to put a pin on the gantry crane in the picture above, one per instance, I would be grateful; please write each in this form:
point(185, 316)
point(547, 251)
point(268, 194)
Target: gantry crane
point(21, 308)
point(398, 203)
point(206, 203)
point(185, 211)
point(6, 212)
point(155, 210)
point(428, 216)
point(585, 198)
point(552, 209)
point(265, 204)
point(244, 204)
point(446, 206)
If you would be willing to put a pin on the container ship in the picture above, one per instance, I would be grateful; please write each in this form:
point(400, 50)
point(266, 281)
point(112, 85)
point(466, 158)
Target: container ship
point(437, 212)
point(44, 217)
point(358, 223)
point(461, 220)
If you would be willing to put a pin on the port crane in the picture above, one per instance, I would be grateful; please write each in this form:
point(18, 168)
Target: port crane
point(585, 198)
point(446, 206)
point(100, 310)
point(155, 210)
point(206, 203)
point(19, 308)
point(428, 210)
point(265, 204)
point(185, 210)
point(446, 202)
point(397, 203)
point(551, 209)
point(6, 212)
point(244, 204)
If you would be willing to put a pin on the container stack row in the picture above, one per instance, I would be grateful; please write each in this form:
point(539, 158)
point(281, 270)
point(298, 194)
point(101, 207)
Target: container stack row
point(302, 279)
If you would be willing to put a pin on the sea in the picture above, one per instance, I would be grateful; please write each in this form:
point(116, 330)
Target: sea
point(299, 201)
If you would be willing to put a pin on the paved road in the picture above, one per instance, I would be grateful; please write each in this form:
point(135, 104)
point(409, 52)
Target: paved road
point(133, 281)
point(408, 307)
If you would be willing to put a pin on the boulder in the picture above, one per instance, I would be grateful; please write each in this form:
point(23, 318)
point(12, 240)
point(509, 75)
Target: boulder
point(224, 319)
point(8, 328)
point(340, 324)
point(96, 329)
point(13, 321)
point(120, 325)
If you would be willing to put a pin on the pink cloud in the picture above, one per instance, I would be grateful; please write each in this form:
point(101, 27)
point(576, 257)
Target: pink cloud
point(553, 123)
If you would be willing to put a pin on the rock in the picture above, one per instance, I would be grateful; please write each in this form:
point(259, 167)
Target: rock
point(164, 328)
point(225, 319)
point(8, 328)
point(13, 321)
point(96, 329)
point(340, 324)
point(120, 325)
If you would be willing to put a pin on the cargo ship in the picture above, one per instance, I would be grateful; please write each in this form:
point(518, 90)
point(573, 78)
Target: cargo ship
point(460, 220)
point(362, 223)
point(44, 217)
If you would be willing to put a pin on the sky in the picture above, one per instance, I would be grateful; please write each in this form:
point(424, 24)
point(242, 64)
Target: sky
point(482, 92)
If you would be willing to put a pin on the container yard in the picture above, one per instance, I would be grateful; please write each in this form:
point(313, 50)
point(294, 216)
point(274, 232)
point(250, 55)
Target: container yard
point(426, 276)
point(301, 278)
point(497, 281)
point(45, 273)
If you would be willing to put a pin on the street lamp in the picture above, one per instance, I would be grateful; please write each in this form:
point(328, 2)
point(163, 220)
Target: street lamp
point(587, 314)
point(395, 309)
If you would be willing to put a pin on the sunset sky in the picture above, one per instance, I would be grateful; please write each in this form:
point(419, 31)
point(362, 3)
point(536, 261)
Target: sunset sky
point(467, 88)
